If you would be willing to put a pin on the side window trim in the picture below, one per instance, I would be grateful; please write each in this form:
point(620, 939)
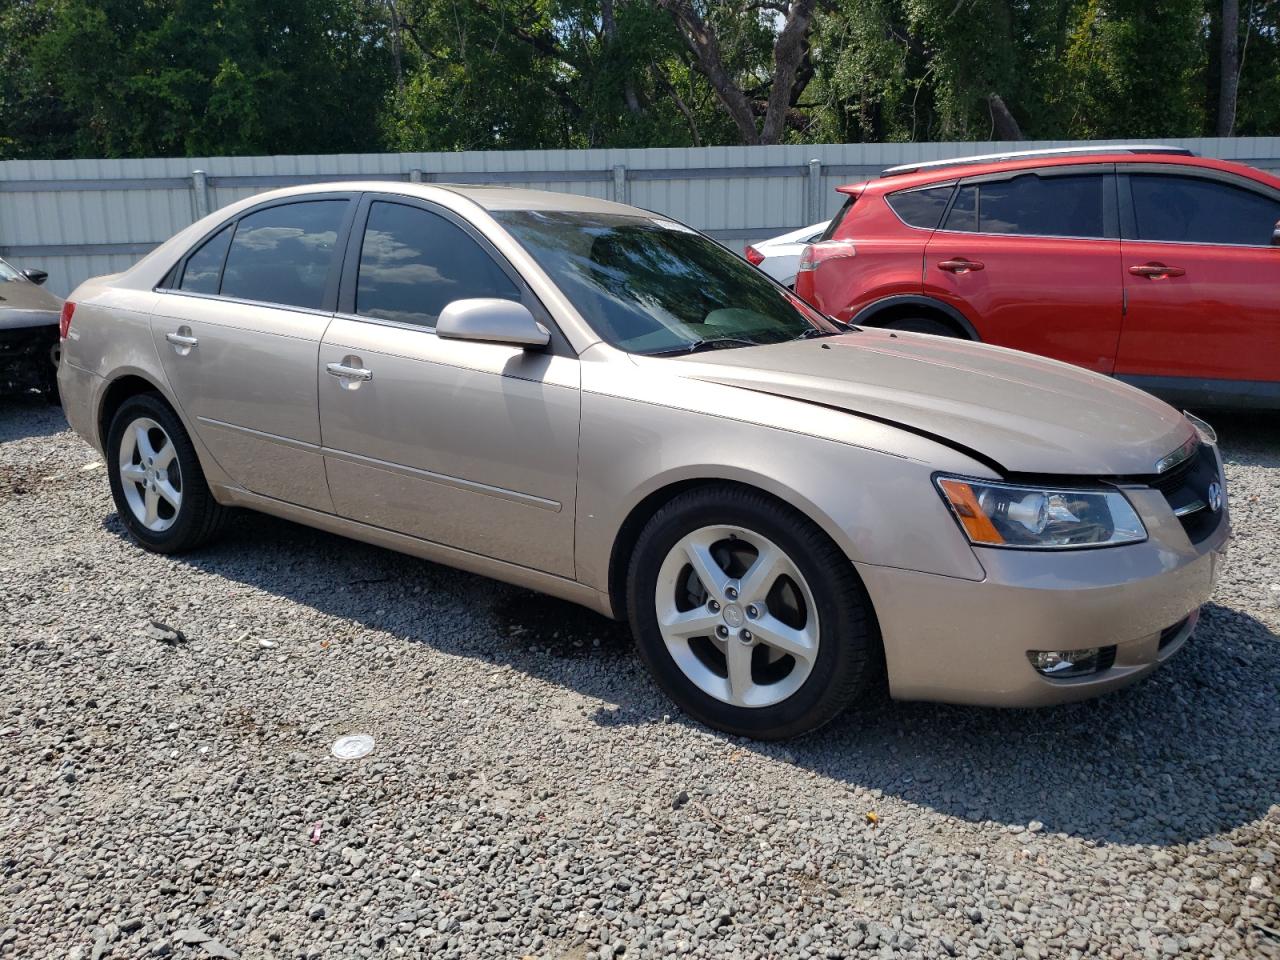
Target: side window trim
point(346, 300)
point(1129, 213)
point(327, 306)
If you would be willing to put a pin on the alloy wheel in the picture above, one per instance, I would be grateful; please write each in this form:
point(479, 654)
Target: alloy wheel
point(737, 616)
point(150, 474)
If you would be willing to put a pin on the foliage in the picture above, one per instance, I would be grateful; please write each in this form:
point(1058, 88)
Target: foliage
point(197, 77)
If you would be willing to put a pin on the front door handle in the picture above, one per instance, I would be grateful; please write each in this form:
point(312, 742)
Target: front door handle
point(344, 372)
point(181, 339)
point(960, 265)
point(1156, 271)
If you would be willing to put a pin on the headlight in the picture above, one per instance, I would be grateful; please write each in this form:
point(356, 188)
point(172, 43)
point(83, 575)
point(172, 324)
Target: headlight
point(1002, 515)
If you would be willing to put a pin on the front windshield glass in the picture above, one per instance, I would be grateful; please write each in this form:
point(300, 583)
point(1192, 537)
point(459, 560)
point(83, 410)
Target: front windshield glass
point(649, 285)
point(7, 272)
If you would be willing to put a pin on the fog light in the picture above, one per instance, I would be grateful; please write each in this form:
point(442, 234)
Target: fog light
point(1061, 664)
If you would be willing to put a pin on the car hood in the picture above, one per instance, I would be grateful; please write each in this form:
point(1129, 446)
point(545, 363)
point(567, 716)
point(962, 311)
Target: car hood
point(1028, 414)
point(23, 304)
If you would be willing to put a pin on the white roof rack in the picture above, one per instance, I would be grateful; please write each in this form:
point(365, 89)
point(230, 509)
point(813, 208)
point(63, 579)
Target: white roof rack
point(1019, 154)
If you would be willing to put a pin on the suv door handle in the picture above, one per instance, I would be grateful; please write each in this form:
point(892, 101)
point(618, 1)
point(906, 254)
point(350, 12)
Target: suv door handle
point(344, 372)
point(961, 265)
point(181, 339)
point(1156, 270)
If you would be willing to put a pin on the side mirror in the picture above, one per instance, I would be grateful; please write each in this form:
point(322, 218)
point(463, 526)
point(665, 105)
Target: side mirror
point(35, 276)
point(491, 320)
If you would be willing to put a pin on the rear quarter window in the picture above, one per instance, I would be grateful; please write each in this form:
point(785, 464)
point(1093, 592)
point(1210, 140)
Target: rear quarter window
point(923, 207)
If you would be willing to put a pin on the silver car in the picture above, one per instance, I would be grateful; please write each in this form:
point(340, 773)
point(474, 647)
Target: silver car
point(598, 402)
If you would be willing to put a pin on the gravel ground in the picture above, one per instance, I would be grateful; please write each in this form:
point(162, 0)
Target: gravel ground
point(529, 794)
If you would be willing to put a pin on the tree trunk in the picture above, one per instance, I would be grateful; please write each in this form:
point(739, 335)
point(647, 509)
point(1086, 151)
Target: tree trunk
point(610, 24)
point(1229, 67)
point(788, 55)
point(1006, 127)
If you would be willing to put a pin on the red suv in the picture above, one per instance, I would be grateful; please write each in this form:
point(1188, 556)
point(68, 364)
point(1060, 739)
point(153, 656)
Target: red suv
point(1148, 263)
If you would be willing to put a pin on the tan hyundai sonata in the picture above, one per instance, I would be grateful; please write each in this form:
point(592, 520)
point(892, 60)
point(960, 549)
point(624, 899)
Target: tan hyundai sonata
point(600, 403)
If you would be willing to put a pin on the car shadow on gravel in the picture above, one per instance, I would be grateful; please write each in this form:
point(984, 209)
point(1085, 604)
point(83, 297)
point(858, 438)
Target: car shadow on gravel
point(29, 415)
point(1191, 751)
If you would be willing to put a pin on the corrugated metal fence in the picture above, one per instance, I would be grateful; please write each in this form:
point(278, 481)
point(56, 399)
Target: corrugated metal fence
point(81, 218)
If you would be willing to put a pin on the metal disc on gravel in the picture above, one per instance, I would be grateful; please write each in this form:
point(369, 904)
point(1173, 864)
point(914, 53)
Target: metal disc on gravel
point(353, 746)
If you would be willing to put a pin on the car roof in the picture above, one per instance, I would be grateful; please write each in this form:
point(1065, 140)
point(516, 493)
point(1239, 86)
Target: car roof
point(1033, 161)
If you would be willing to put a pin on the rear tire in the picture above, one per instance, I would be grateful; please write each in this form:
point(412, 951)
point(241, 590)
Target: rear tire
point(937, 328)
point(156, 481)
point(811, 643)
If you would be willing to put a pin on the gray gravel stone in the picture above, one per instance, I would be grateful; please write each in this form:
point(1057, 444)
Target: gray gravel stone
point(533, 795)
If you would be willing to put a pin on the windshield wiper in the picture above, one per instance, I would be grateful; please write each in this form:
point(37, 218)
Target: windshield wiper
point(712, 343)
point(813, 333)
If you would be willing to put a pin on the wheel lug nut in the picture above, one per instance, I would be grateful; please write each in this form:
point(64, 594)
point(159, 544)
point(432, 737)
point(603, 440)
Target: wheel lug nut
point(731, 593)
point(713, 606)
point(752, 612)
point(722, 631)
point(746, 636)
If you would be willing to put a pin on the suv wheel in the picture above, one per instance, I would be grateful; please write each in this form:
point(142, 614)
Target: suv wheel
point(922, 325)
point(747, 614)
point(156, 481)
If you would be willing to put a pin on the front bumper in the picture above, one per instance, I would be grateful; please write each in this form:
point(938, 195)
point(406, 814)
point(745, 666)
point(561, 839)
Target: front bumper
point(962, 641)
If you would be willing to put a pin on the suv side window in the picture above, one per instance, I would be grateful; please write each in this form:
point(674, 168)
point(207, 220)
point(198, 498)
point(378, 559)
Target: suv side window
point(414, 263)
point(284, 254)
point(921, 208)
point(204, 267)
point(1194, 210)
point(1031, 205)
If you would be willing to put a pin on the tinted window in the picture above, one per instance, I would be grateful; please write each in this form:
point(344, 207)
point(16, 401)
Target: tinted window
point(284, 254)
point(921, 208)
point(1201, 211)
point(648, 285)
point(204, 267)
point(414, 263)
point(843, 212)
point(1066, 206)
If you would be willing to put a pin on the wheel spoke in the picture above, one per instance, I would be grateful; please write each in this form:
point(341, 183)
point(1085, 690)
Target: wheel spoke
point(699, 622)
point(165, 455)
point(151, 504)
point(737, 657)
point(773, 632)
point(759, 578)
point(166, 490)
point(709, 573)
point(142, 440)
point(133, 473)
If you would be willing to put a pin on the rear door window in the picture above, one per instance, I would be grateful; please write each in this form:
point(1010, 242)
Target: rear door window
point(414, 263)
point(1193, 210)
point(921, 208)
point(1032, 205)
point(285, 254)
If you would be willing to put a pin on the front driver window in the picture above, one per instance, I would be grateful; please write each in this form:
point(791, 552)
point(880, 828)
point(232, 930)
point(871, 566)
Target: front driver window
point(414, 263)
point(1191, 210)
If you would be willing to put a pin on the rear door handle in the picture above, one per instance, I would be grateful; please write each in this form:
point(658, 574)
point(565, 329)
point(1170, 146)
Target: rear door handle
point(181, 339)
point(1155, 271)
point(961, 265)
point(342, 371)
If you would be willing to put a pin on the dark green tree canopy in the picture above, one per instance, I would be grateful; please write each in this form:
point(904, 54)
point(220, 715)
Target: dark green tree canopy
point(121, 78)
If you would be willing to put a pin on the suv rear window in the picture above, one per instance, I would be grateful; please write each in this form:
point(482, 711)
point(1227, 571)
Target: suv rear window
point(1031, 205)
point(923, 207)
point(1191, 210)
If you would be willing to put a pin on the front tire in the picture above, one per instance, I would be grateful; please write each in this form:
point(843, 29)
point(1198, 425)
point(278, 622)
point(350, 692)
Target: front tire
point(156, 481)
point(749, 617)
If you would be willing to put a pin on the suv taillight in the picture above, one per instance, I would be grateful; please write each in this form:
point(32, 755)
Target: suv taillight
point(64, 319)
point(816, 254)
point(754, 256)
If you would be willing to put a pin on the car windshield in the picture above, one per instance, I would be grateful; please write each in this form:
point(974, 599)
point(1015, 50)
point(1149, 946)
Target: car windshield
point(8, 273)
point(649, 285)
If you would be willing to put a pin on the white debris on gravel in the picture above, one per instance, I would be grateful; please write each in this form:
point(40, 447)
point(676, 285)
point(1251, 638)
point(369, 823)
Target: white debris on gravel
point(532, 794)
